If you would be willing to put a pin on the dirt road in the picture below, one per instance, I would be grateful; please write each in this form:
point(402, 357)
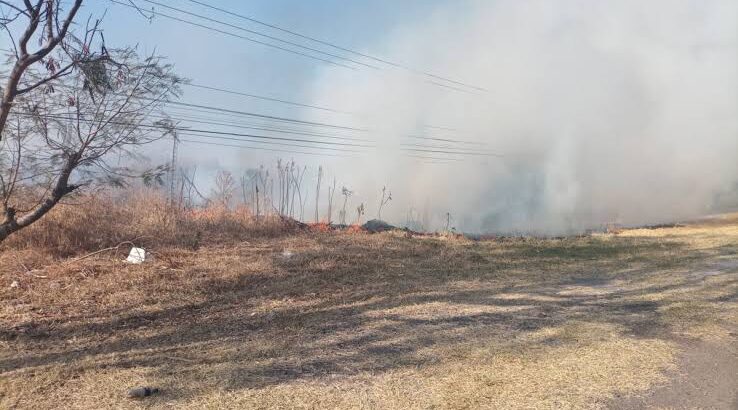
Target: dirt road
point(707, 378)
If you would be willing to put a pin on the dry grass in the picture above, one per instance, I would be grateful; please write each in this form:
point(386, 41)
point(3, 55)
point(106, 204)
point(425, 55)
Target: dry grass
point(93, 222)
point(362, 321)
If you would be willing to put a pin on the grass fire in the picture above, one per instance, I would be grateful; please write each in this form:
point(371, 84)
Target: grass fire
point(371, 205)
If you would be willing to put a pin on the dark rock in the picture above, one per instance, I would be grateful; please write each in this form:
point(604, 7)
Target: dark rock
point(141, 392)
point(376, 225)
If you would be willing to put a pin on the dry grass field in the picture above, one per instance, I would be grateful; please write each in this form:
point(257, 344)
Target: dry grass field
point(291, 318)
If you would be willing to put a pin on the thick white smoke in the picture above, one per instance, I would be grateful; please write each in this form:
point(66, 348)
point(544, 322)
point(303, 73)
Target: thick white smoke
point(605, 111)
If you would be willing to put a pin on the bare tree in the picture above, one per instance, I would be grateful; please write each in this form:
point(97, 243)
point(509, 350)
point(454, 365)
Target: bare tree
point(173, 167)
point(280, 178)
point(262, 181)
point(331, 192)
point(65, 118)
point(296, 176)
point(285, 173)
point(386, 197)
point(225, 187)
point(359, 213)
point(47, 15)
point(189, 187)
point(317, 193)
point(346, 194)
point(246, 179)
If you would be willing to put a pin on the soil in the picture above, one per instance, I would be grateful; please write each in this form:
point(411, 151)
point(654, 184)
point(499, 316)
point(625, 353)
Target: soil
point(707, 378)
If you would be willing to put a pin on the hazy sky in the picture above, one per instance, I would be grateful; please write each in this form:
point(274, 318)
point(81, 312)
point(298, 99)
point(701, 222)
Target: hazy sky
point(214, 59)
point(601, 111)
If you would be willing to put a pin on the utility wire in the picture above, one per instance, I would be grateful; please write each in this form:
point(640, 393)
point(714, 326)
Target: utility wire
point(433, 158)
point(252, 137)
point(444, 140)
point(208, 132)
point(294, 33)
point(259, 34)
point(192, 23)
point(207, 87)
point(482, 154)
point(423, 159)
point(222, 90)
point(226, 118)
point(251, 114)
point(193, 134)
point(269, 117)
point(439, 128)
point(186, 132)
point(262, 148)
point(199, 120)
point(260, 97)
point(439, 147)
point(241, 113)
point(420, 148)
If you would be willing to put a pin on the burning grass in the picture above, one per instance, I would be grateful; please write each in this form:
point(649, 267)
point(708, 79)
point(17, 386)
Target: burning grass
point(254, 318)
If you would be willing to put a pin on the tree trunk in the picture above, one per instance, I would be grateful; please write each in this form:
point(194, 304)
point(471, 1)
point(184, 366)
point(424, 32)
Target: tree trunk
point(12, 224)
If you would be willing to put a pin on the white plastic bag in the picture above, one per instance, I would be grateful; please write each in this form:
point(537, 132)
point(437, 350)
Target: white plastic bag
point(137, 255)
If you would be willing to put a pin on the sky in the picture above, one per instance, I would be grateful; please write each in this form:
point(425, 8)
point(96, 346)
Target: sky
point(508, 116)
point(218, 60)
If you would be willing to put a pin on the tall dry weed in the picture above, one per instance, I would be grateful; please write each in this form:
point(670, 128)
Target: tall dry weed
point(95, 221)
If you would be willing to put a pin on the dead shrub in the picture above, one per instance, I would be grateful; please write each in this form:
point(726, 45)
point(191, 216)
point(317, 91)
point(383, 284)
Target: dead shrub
point(105, 219)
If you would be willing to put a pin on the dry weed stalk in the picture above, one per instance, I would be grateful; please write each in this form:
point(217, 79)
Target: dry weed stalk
point(317, 192)
point(331, 192)
point(346, 194)
point(384, 200)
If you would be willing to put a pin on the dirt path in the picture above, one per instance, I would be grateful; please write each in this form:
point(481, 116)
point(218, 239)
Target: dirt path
point(707, 378)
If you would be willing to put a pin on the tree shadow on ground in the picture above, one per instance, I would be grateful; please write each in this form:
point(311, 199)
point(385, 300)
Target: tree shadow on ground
point(358, 316)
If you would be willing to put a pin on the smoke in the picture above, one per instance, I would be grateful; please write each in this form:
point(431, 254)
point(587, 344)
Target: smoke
point(603, 111)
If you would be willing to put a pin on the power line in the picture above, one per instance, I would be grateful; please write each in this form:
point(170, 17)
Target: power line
point(421, 148)
point(451, 147)
point(235, 113)
point(259, 34)
point(269, 117)
point(192, 134)
point(267, 140)
point(199, 134)
point(482, 154)
point(262, 148)
point(183, 117)
point(240, 113)
point(223, 134)
point(207, 87)
point(192, 23)
point(235, 119)
point(433, 158)
point(439, 128)
point(252, 137)
point(334, 110)
point(222, 90)
point(393, 64)
point(252, 114)
point(451, 87)
point(444, 140)
point(423, 159)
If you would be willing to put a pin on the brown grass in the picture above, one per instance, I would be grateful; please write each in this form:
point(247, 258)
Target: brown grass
point(256, 318)
point(93, 222)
